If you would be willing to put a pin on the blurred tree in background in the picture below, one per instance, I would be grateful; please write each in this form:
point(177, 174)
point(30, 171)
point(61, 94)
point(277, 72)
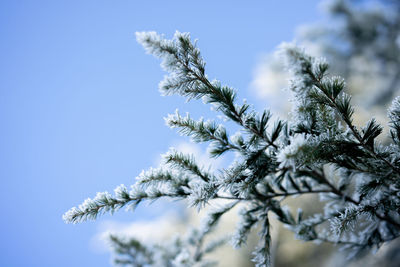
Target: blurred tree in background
point(347, 179)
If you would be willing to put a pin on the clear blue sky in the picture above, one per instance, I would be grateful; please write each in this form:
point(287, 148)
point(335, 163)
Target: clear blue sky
point(80, 111)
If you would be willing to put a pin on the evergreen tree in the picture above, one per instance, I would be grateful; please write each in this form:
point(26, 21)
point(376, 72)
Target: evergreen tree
point(318, 151)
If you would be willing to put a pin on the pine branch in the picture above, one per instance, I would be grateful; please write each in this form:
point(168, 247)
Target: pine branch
point(345, 111)
point(271, 163)
point(186, 163)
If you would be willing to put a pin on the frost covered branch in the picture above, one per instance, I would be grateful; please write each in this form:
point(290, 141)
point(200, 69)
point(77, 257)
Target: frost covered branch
point(318, 151)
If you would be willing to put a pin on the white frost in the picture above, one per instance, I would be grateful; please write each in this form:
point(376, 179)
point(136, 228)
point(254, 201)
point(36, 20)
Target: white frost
point(289, 153)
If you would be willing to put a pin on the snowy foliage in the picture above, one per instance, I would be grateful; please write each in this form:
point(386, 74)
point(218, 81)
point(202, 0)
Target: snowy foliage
point(277, 161)
point(361, 40)
point(187, 251)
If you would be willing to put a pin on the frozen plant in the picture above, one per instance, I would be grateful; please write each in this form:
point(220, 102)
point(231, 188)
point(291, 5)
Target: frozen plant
point(361, 197)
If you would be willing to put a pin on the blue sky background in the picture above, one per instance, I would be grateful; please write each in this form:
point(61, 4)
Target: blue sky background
point(80, 110)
